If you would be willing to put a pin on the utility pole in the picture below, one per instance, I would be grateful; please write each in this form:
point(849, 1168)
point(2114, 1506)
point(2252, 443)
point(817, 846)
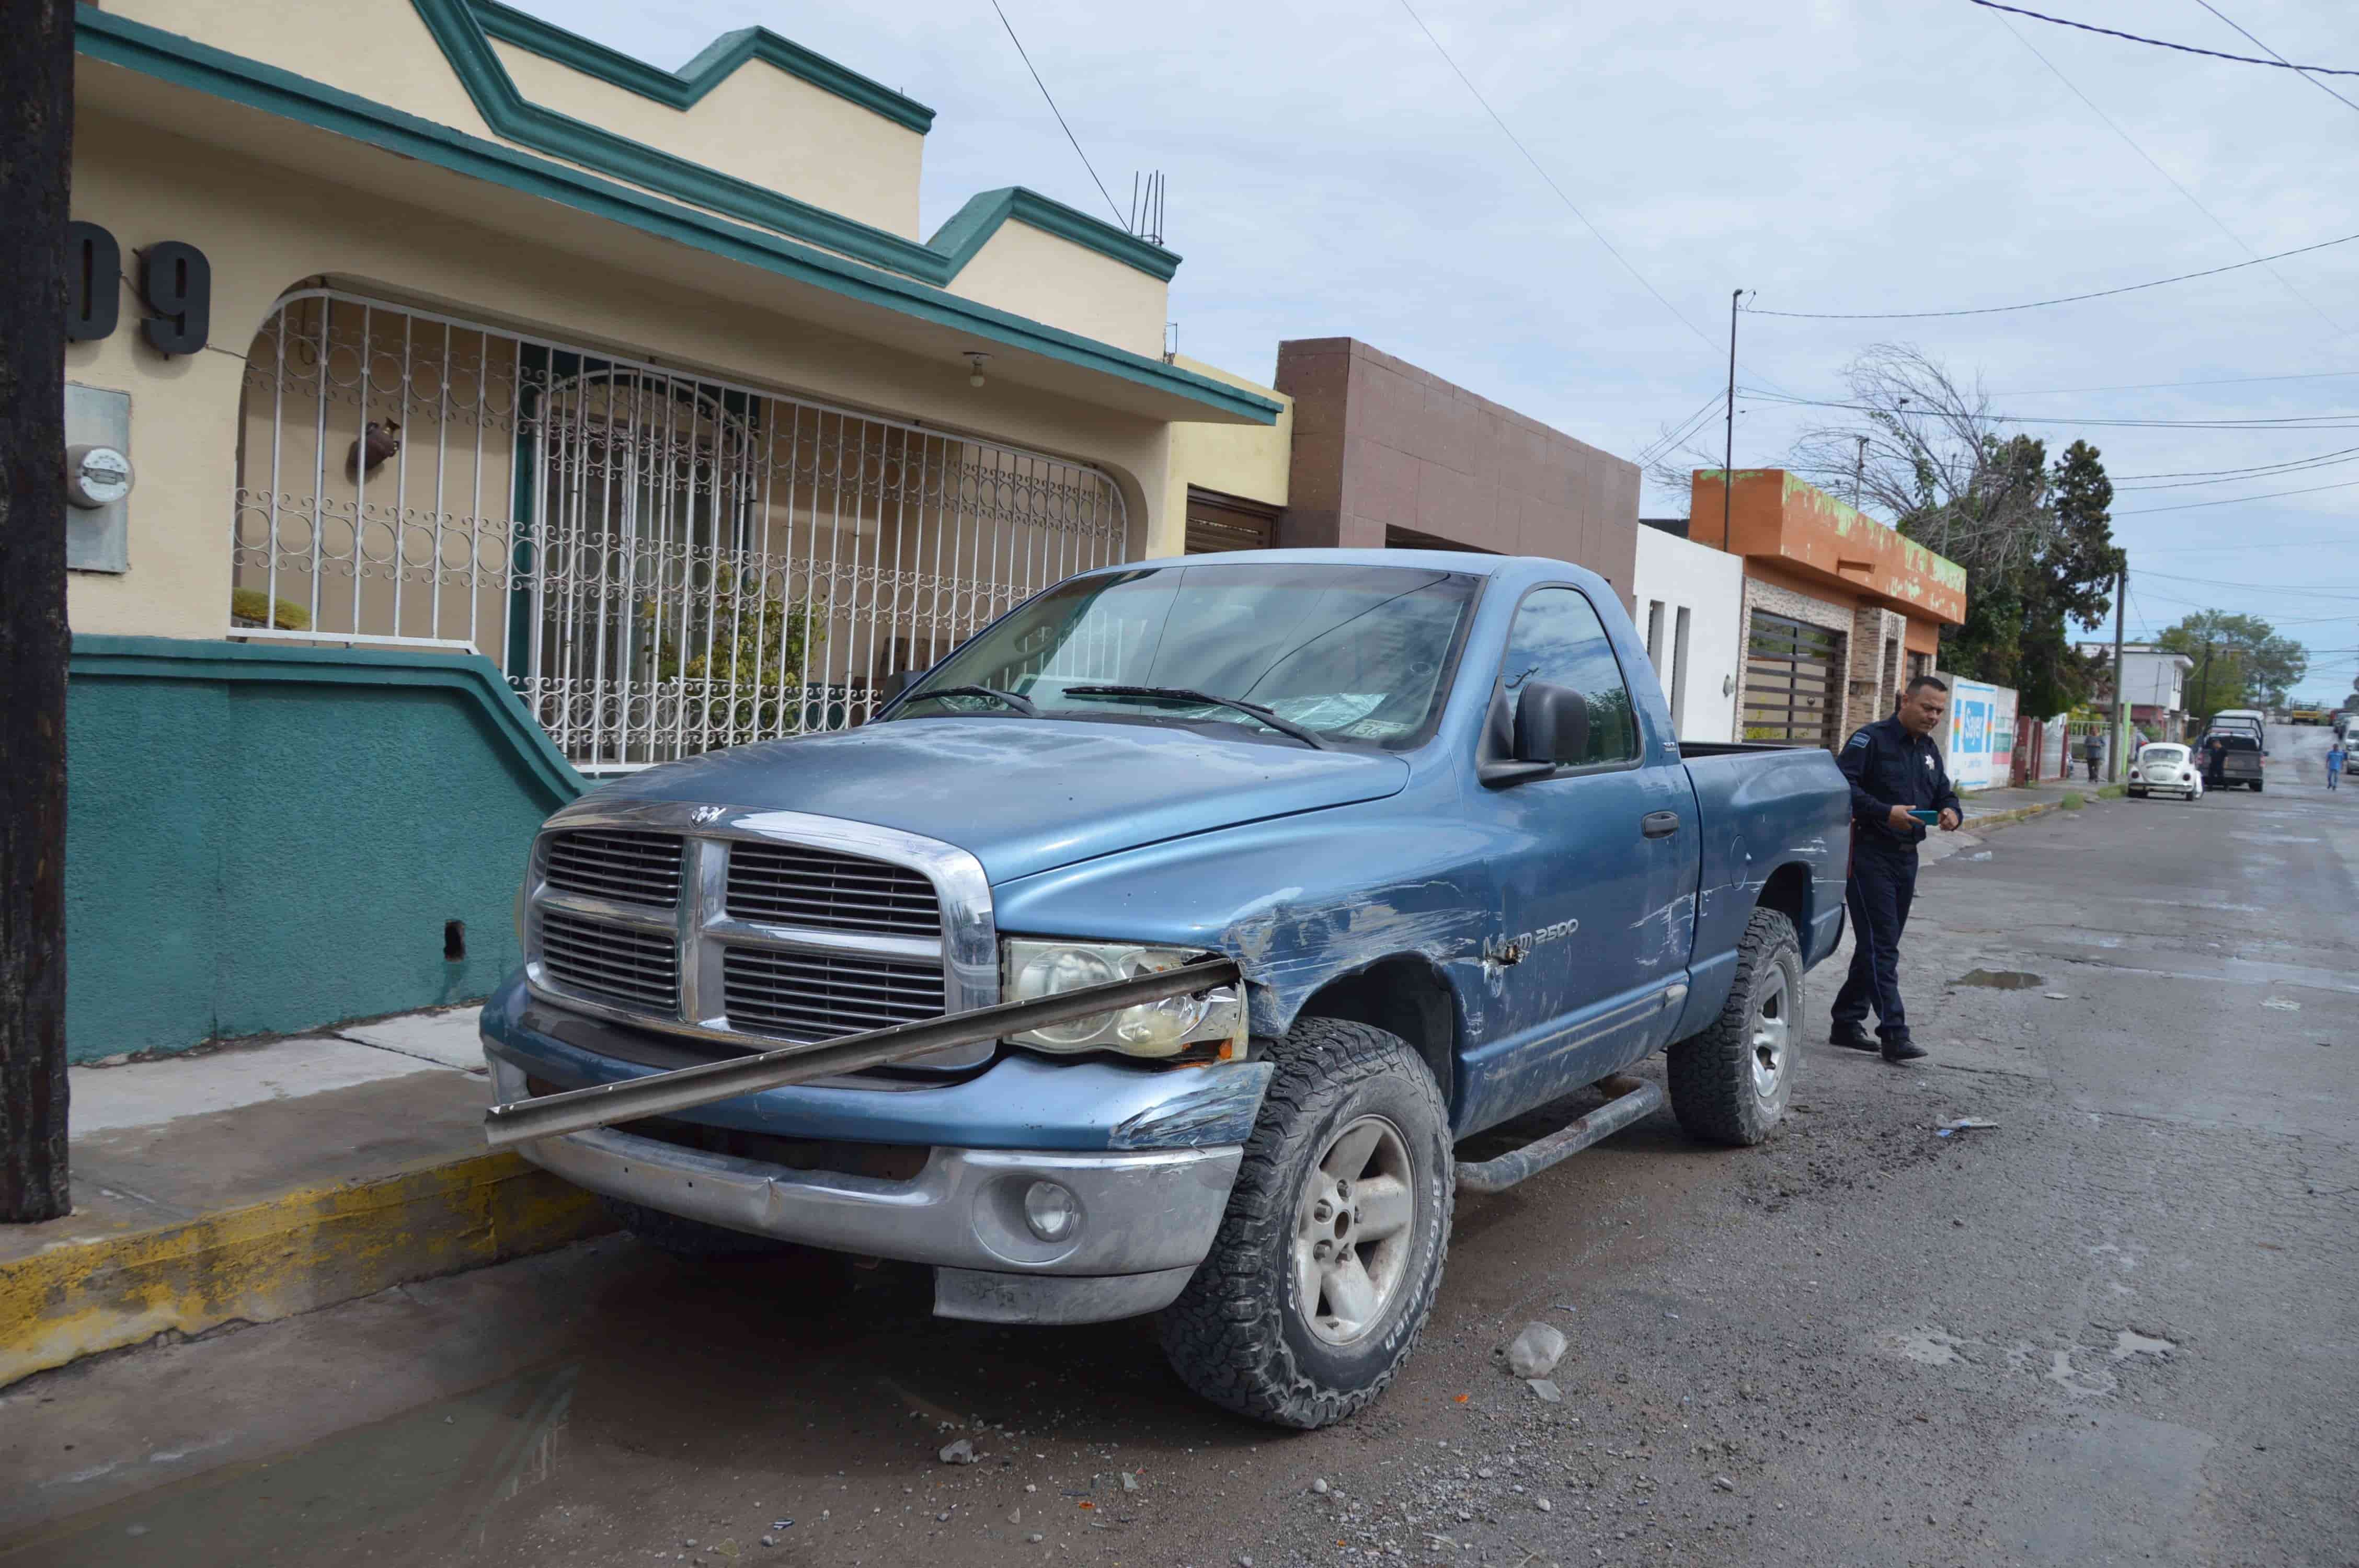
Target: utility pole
point(1858, 470)
point(2113, 751)
point(37, 86)
point(1728, 443)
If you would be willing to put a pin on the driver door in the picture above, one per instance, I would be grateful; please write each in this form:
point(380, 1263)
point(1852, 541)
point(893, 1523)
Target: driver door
point(1592, 877)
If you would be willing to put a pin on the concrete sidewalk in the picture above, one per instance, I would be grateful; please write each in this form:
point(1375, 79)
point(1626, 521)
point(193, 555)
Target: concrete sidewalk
point(256, 1181)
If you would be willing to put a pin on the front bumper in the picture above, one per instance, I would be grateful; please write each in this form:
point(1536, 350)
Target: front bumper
point(1147, 1217)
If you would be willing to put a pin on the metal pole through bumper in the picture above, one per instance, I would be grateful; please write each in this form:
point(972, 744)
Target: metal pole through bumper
point(660, 1094)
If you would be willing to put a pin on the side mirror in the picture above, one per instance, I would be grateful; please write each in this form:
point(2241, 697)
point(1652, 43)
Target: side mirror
point(1551, 724)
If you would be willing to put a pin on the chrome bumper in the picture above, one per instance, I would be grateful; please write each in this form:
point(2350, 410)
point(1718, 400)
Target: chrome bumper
point(1146, 1219)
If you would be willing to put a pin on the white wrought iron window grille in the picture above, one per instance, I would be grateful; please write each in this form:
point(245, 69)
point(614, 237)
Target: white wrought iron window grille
point(658, 563)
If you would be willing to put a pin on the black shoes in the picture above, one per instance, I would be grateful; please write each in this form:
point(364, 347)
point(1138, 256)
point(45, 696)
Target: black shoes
point(1852, 1036)
point(1902, 1051)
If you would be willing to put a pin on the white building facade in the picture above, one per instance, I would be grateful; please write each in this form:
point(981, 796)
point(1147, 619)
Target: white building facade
point(1688, 599)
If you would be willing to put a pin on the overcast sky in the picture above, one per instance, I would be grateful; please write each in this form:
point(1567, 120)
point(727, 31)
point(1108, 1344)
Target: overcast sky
point(1329, 176)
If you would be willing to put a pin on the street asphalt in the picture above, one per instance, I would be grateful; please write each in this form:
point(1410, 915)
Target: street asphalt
point(2119, 1326)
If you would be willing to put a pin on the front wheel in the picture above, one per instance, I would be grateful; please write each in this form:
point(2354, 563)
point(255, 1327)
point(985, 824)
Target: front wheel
point(1730, 1084)
point(1331, 1253)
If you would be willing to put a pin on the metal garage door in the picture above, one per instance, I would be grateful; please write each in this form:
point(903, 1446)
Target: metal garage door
point(1791, 675)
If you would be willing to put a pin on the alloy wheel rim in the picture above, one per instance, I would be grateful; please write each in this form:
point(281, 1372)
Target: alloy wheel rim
point(1771, 1033)
point(1352, 1231)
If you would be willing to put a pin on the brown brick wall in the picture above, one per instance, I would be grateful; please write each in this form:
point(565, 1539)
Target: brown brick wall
point(1381, 445)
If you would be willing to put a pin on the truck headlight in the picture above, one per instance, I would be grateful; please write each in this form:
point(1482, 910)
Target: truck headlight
point(1035, 970)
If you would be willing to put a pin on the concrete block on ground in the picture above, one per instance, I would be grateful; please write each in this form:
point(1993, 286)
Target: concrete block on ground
point(140, 1094)
point(448, 1037)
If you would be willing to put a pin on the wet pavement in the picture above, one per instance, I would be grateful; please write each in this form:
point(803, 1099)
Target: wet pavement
point(2119, 1326)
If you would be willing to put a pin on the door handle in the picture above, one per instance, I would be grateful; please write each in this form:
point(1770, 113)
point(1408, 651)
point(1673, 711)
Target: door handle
point(1659, 824)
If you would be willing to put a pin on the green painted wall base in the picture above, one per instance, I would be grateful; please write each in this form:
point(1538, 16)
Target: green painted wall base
point(266, 840)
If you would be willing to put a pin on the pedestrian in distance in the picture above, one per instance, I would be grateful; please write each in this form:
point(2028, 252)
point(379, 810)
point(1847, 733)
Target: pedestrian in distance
point(2094, 750)
point(2335, 757)
point(2215, 763)
point(1896, 773)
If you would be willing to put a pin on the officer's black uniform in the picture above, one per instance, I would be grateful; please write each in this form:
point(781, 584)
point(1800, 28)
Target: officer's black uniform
point(1888, 766)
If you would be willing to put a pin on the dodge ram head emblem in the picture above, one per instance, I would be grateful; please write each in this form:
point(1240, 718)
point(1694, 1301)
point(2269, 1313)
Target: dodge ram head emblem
point(704, 813)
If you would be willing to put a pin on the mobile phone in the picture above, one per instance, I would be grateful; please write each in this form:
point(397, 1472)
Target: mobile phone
point(1926, 815)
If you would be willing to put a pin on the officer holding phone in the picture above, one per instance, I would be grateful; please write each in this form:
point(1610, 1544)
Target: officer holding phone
point(1898, 789)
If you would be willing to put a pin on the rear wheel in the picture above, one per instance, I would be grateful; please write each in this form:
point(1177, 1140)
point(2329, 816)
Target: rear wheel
point(1731, 1082)
point(1327, 1261)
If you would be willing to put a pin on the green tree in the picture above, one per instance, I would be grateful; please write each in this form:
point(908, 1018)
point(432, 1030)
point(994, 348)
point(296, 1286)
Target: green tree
point(2240, 661)
point(2036, 538)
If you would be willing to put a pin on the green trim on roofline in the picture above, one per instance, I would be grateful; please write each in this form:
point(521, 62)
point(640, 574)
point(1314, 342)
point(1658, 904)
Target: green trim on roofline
point(681, 89)
point(467, 47)
point(167, 57)
point(971, 226)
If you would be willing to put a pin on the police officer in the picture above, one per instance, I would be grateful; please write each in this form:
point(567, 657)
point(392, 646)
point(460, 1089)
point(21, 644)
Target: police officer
point(1893, 767)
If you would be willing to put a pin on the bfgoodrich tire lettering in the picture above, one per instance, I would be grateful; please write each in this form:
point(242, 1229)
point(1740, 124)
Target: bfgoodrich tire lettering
point(1731, 1082)
point(1243, 1334)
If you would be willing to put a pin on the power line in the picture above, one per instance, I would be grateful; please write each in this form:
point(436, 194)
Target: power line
point(1059, 112)
point(2340, 421)
point(2134, 147)
point(2040, 304)
point(2290, 65)
point(2166, 44)
point(2159, 386)
point(1598, 233)
point(1664, 444)
point(2198, 477)
point(2234, 500)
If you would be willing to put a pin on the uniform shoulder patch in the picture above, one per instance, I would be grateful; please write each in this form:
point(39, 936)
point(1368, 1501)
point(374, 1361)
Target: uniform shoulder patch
point(1861, 738)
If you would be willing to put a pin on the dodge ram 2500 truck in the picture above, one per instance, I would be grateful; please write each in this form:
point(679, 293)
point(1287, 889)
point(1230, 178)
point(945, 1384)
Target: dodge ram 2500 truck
point(1430, 804)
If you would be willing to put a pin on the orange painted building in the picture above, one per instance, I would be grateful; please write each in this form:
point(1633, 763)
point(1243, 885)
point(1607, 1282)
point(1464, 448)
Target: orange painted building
point(1839, 608)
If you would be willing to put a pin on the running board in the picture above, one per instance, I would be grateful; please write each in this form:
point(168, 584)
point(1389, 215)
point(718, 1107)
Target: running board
point(1640, 1099)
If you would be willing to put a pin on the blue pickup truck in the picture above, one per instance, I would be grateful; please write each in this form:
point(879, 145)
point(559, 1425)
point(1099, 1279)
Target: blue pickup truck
point(1429, 804)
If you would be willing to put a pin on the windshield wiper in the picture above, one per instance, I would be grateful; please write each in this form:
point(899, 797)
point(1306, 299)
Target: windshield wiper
point(1022, 705)
point(1311, 738)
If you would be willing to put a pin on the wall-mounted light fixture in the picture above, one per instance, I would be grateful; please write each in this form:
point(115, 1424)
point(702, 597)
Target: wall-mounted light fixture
point(975, 361)
point(380, 441)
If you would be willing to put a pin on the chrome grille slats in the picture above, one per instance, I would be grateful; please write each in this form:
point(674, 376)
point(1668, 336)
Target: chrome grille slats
point(623, 867)
point(627, 965)
point(791, 885)
point(811, 996)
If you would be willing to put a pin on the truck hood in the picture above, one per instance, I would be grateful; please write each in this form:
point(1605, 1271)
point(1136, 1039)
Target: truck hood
point(1026, 795)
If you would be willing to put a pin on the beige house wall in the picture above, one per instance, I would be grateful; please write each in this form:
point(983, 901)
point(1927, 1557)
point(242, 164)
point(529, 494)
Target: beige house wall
point(1250, 461)
point(376, 49)
point(267, 229)
point(1054, 280)
point(760, 124)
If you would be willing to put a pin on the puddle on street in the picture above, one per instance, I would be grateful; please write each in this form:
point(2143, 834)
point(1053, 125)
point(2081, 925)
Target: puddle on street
point(416, 1489)
point(2000, 979)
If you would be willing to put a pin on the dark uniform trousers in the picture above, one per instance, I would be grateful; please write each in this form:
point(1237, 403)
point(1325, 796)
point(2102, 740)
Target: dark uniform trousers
point(1887, 766)
point(1883, 883)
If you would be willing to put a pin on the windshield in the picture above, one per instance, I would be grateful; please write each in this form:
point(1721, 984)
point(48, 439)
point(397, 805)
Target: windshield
point(2164, 755)
point(1354, 654)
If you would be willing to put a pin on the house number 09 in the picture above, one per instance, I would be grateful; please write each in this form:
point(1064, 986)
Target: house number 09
point(176, 284)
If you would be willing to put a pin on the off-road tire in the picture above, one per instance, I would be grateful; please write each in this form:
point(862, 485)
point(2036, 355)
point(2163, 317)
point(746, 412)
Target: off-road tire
point(1239, 1334)
point(1712, 1083)
point(2256, 786)
point(688, 1238)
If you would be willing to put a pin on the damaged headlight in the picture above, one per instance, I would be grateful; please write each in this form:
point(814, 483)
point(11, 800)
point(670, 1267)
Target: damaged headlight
point(1034, 969)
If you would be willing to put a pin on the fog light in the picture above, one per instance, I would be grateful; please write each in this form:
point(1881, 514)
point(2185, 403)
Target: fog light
point(1051, 1211)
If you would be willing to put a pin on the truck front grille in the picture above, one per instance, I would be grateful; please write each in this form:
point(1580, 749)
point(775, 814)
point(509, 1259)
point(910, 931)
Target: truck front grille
point(627, 868)
point(802, 996)
point(620, 964)
point(780, 884)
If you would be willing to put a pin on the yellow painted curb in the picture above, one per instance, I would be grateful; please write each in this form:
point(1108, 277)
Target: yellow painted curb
point(302, 1249)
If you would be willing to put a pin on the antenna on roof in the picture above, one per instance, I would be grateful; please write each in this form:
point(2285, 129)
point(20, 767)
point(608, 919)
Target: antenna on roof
point(1146, 206)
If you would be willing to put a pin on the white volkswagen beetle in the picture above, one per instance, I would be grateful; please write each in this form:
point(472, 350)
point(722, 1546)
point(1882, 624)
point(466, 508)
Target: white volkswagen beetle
point(2166, 768)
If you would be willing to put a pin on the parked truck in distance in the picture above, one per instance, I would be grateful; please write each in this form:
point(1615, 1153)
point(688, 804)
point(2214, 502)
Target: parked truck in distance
point(1431, 807)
